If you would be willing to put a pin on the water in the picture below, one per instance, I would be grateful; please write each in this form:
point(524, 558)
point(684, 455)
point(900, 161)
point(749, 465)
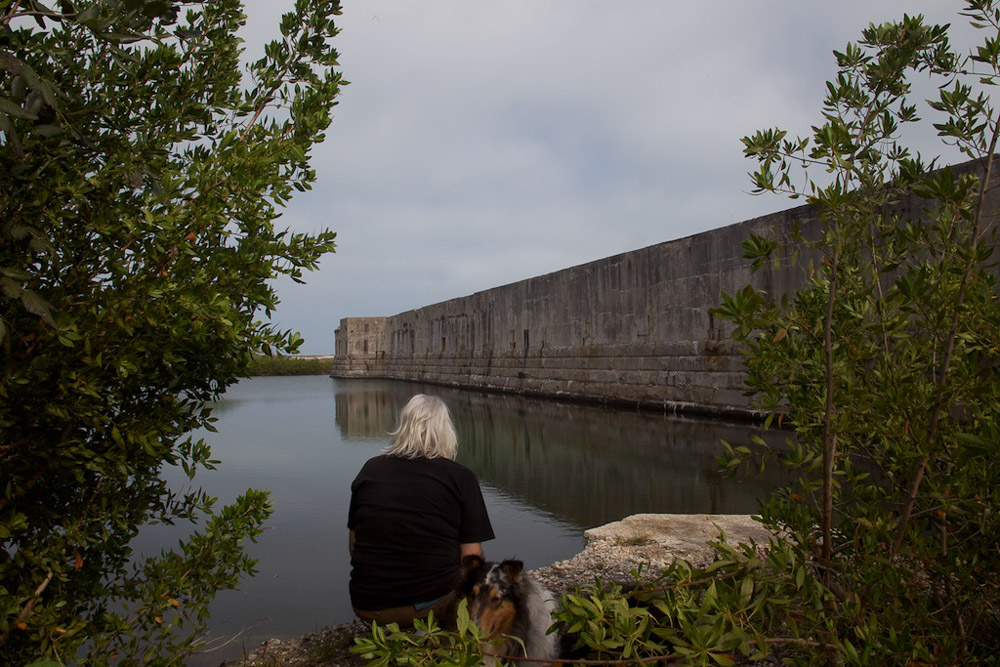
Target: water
point(549, 471)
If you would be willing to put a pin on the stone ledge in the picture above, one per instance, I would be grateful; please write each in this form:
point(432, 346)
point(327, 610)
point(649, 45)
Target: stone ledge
point(666, 536)
point(650, 542)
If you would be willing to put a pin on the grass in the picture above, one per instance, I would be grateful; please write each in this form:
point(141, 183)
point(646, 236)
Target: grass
point(284, 365)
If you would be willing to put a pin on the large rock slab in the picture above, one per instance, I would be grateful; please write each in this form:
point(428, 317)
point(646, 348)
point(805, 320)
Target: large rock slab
point(665, 536)
point(648, 542)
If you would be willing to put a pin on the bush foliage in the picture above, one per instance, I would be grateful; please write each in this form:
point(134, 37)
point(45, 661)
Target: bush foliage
point(887, 363)
point(141, 174)
point(286, 365)
point(749, 601)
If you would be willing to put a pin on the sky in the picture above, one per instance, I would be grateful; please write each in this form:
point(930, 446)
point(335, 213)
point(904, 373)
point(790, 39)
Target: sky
point(480, 144)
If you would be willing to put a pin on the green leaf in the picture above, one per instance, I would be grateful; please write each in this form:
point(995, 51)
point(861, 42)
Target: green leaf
point(37, 83)
point(10, 288)
point(15, 110)
point(36, 305)
point(48, 131)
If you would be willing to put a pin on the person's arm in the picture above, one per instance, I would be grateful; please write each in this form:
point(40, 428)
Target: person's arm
point(350, 542)
point(471, 549)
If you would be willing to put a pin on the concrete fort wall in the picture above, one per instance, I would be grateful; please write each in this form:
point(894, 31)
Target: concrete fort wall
point(359, 345)
point(635, 329)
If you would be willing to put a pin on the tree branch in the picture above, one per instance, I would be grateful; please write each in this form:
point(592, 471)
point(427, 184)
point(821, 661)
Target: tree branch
point(26, 610)
point(829, 438)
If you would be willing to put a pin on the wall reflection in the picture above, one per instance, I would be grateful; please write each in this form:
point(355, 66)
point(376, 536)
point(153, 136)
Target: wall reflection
point(367, 410)
point(585, 464)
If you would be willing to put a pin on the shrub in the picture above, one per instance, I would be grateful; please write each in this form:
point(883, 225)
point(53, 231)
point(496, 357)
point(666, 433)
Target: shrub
point(140, 180)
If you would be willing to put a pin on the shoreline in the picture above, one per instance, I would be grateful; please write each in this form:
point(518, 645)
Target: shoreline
point(610, 552)
point(282, 364)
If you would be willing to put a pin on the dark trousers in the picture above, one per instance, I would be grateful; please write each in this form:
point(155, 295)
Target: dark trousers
point(444, 612)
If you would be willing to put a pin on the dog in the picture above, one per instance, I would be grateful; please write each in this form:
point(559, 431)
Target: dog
point(508, 605)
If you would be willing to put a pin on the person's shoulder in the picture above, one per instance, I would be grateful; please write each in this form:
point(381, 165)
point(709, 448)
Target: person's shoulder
point(376, 462)
point(438, 463)
point(453, 467)
point(445, 462)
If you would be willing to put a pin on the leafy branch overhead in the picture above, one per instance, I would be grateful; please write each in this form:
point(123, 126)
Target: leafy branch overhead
point(143, 171)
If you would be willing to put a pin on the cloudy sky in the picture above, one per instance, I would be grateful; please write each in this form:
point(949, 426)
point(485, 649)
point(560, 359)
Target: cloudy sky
point(480, 143)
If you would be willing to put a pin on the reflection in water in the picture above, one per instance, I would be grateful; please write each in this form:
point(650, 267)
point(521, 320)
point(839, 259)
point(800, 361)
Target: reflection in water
point(365, 411)
point(585, 464)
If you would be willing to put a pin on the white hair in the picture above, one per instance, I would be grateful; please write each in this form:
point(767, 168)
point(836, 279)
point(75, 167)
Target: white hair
point(425, 430)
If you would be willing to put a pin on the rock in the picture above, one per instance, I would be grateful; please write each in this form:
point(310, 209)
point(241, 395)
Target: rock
point(648, 541)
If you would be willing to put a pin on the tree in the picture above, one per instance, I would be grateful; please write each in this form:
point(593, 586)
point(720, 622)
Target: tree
point(141, 175)
point(886, 364)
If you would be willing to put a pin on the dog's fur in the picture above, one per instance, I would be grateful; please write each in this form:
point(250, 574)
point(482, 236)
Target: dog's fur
point(506, 603)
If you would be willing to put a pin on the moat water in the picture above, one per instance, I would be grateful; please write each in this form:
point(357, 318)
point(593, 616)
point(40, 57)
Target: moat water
point(549, 471)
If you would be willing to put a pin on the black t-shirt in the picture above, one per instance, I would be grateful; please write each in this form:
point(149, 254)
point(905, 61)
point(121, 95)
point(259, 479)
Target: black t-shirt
point(408, 518)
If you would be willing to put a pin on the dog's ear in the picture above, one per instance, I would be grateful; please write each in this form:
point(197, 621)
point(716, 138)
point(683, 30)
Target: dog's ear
point(468, 575)
point(470, 564)
point(512, 568)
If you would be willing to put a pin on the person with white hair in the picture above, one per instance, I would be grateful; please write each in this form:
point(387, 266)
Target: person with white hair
point(415, 513)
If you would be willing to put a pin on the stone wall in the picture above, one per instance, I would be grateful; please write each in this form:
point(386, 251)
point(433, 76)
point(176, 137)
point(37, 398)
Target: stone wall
point(360, 347)
point(635, 329)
